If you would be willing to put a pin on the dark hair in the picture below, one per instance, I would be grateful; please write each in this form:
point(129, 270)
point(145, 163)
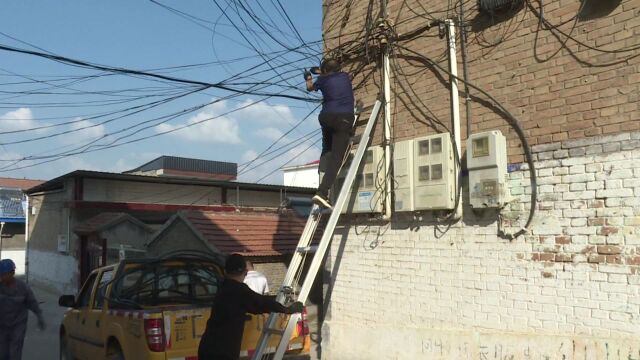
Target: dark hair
point(235, 264)
point(330, 66)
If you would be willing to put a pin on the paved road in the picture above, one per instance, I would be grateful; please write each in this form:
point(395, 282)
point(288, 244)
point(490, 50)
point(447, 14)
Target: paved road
point(43, 345)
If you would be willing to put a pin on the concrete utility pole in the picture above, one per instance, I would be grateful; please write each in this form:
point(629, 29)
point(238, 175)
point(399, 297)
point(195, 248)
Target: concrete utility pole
point(1, 228)
point(386, 69)
point(455, 107)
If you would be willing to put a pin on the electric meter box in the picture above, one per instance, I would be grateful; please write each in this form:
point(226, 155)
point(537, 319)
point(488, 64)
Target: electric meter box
point(487, 165)
point(403, 175)
point(367, 193)
point(434, 177)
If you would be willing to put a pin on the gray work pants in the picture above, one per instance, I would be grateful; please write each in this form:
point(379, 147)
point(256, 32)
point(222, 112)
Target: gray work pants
point(11, 341)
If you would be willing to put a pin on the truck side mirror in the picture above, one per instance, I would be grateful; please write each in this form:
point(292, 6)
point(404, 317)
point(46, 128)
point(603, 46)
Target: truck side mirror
point(67, 301)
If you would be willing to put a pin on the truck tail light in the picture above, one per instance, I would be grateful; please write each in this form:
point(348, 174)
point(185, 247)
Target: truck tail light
point(303, 325)
point(154, 330)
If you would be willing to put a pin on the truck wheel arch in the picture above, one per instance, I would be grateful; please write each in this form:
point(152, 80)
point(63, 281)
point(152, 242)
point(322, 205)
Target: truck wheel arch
point(114, 349)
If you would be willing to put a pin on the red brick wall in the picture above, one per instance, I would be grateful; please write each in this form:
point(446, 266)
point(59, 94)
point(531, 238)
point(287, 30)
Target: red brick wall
point(577, 93)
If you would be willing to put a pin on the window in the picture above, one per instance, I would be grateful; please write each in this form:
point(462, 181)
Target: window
point(436, 172)
point(368, 180)
point(162, 283)
point(423, 147)
point(423, 173)
point(436, 146)
point(101, 290)
point(85, 294)
point(368, 157)
point(480, 147)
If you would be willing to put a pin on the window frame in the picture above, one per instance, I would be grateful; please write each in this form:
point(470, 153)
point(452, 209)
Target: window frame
point(88, 287)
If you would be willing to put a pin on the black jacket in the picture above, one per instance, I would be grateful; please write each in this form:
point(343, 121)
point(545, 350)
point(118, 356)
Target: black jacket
point(222, 338)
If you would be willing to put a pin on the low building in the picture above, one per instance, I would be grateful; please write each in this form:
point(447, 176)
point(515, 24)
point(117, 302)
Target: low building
point(302, 175)
point(185, 167)
point(77, 220)
point(12, 220)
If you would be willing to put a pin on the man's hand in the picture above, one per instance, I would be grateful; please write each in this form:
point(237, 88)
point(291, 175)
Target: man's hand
point(307, 75)
point(42, 326)
point(295, 308)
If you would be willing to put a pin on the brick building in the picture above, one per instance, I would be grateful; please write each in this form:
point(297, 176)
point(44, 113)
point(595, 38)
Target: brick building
point(421, 288)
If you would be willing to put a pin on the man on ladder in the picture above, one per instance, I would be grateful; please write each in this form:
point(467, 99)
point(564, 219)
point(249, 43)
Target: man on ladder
point(336, 119)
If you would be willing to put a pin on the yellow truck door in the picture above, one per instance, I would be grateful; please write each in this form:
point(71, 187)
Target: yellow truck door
point(78, 340)
point(95, 317)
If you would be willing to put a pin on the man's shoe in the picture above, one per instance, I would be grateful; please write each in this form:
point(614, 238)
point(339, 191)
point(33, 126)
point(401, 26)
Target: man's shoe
point(322, 201)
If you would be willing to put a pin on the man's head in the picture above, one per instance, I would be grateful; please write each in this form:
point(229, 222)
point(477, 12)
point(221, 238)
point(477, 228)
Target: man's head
point(235, 266)
point(249, 265)
point(7, 271)
point(329, 66)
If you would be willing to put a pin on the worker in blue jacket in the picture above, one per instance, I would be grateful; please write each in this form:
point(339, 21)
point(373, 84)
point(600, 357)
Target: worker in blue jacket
point(336, 120)
point(16, 299)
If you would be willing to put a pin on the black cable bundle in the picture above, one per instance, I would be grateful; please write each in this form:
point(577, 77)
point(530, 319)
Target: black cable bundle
point(494, 6)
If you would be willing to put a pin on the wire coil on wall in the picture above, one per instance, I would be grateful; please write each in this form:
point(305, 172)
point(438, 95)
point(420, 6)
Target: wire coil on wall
point(497, 6)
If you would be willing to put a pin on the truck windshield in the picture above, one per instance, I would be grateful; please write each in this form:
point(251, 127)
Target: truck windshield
point(165, 283)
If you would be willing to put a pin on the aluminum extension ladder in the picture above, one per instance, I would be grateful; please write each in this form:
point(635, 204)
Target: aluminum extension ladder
point(286, 293)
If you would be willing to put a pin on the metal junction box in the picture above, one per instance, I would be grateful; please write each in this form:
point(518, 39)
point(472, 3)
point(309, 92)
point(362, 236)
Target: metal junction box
point(367, 192)
point(487, 165)
point(403, 175)
point(434, 178)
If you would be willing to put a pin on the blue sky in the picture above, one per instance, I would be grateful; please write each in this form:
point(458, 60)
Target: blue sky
point(77, 109)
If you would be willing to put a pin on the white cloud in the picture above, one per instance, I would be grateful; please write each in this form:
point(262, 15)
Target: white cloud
point(77, 163)
point(249, 155)
point(209, 126)
point(8, 155)
point(84, 130)
point(270, 133)
point(264, 112)
point(223, 129)
point(302, 154)
point(20, 119)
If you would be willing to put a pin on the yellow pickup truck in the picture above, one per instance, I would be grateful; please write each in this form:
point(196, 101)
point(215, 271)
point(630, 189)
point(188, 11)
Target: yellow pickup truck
point(152, 309)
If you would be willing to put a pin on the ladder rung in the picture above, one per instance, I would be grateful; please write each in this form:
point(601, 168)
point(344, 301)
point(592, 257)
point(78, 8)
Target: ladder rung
point(274, 331)
point(356, 139)
point(307, 249)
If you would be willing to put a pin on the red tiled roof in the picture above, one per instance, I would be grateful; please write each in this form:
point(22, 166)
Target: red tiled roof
point(23, 184)
point(103, 221)
point(251, 233)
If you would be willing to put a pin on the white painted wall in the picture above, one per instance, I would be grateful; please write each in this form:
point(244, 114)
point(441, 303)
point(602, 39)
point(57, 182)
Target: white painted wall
point(570, 289)
point(18, 257)
point(55, 271)
point(304, 176)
